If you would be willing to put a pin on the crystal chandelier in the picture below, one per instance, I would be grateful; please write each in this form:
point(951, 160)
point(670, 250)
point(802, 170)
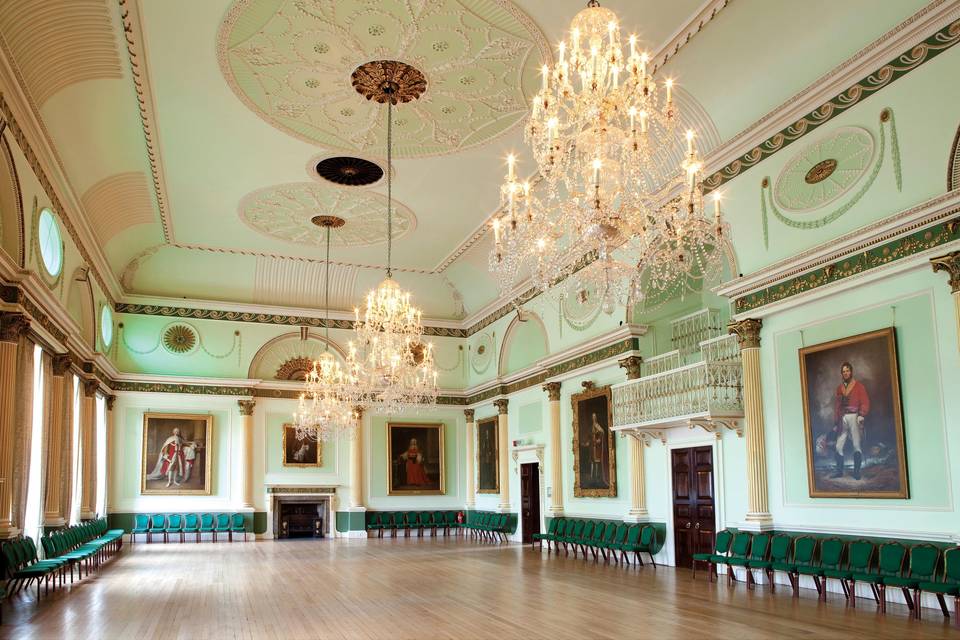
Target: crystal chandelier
point(390, 362)
point(326, 407)
point(599, 129)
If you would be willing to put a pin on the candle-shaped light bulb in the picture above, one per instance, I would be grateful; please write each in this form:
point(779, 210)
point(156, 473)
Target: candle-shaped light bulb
point(716, 205)
point(563, 49)
point(596, 171)
point(633, 114)
point(611, 27)
point(541, 244)
point(690, 142)
point(575, 37)
point(633, 45)
point(615, 70)
point(496, 230)
point(669, 84)
point(511, 161)
point(526, 190)
point(546, 78)
point(644, 58)
point(643, 121)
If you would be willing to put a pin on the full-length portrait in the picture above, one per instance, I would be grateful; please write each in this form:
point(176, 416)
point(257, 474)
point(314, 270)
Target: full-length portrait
point(853, 418)
point(594, 450)
point(416, 458)
point(176, 454)
point(488, 471)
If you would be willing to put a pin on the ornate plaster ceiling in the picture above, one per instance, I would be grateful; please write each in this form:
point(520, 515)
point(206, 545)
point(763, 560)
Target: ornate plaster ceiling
point(291, 61)
point(285, 212)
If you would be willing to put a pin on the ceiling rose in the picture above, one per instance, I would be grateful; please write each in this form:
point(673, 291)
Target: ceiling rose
point(292, 62)
point(287, 211)
point(348, 171)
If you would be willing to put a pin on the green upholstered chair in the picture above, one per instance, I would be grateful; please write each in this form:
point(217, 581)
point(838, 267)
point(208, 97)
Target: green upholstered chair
point(191, 524)
point(439, 522)
point(599, 530)
point(804, 550)
point(831, 558)
point(573, 536)
point(388, 522)
point(609, 533)
point(540, 537)
point(585, 537)
point(237, 525)
point(450, 522)
point(375, 522)
point(174, 526)
point(921, 567)
point(619, 538)
point(721, 545)
point(859, 559)
point(739, 550)
point(947, 585)
point(413, 521)
point(141, 524)
point(158, 524)
point(779, 554)
point(207, 524)
point(890, 561)
point(759, 550)
point(222, 525)
point(630, 542)
point(426, 521)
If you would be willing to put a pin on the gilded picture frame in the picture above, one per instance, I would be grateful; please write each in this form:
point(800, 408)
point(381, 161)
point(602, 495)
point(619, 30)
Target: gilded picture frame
point(854, 436)
point(177, 454)
point(594, 446)
point(415, 459)
point(488, 456)
point(295, 453)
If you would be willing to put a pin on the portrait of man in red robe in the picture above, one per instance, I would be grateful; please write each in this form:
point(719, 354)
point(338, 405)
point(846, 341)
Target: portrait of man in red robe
point(416, 458)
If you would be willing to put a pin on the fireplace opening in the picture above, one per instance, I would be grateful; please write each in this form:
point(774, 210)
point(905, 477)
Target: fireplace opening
point(301, 520)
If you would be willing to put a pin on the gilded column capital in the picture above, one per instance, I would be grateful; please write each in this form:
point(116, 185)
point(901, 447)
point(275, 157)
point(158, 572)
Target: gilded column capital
point(358, 412)
point(468, 413)
point(501, 406)
point(90, 387)
point(632, 365)
point(553, 391)
point(12, 326)
point(246, 407)
point(747, 332)
point(111, 401)
point(61, 364)
point(951, 264)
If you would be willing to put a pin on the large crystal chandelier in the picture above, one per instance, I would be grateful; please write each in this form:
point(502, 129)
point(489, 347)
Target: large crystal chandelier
point(326, 407)
point(599, 130)
point(390, 362)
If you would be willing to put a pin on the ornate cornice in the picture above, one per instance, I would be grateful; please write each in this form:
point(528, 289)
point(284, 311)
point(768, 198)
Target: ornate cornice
point(693, 26)
point(16, 295)
point(747, 332)
point(951, 264)
point(893, 70)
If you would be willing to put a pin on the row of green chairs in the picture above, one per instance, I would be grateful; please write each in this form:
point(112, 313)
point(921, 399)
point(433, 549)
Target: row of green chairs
point(408, 521)
point(611, 540)
point(176, 524)
point(915, 569)
point(85, 545)
point(486, 525)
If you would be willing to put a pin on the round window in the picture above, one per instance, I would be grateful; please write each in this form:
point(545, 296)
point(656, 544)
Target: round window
point(50, 242)
point(106, 326)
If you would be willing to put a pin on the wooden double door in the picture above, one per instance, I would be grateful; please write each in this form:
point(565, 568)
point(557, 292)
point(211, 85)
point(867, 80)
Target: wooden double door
point(694, 506)
point(529, 500)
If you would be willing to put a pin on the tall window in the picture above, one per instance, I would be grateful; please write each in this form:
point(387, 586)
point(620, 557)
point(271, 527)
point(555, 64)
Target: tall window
point(101, 456)
point(77, 476)
point(33, 517)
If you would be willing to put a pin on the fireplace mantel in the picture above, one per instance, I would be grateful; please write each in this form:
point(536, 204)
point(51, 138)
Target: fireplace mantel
point(324, 494)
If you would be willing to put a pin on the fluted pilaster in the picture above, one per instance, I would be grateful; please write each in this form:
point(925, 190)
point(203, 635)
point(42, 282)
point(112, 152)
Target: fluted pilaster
point(471, 501)
point(503, 439)
point(553, 445)
point(950, 264)
point(12, 327)
point(356, 463)
point(246, 427)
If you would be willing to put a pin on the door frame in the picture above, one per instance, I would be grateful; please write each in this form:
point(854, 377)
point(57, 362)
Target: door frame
point(716, 444)
point(532, 453)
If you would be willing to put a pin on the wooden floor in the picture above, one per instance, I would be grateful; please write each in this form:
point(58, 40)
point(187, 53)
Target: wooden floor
point(424, 588)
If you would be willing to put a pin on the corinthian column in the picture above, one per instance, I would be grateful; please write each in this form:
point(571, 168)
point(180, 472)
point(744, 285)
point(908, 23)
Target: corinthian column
point(471, 472)
point(556, 471)
point(638, 488)
point(951, 264)
point(53, 517)
point(504, 463)
point(758, 510)
point(88, 450)
point(356, 463)
point(12, 327)
point(246, 430)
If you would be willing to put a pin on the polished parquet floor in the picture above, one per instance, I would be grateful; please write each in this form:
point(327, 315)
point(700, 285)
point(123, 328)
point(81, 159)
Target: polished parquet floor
point(424, 588)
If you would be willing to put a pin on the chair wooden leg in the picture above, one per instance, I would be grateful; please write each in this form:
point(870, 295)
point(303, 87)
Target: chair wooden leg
point(909, 599)
point(882, 592)
point(749, 578)
point(956, 610)
point(770, 578)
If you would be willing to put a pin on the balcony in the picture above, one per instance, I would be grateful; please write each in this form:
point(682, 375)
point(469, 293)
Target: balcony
point(706, 394)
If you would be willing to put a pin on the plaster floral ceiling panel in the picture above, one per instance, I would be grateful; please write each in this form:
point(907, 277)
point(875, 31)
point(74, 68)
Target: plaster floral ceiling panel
point(286, 212)
point(825, 170)
point(290, 61)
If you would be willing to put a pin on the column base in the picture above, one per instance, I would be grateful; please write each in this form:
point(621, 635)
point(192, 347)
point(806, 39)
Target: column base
point(54, 522)
point(8, 532)
point(356, 509)
point(637, 515)
point(554, 511)
point(470, 506)
point(757, 522)
point(246, 508)
point(503, 508)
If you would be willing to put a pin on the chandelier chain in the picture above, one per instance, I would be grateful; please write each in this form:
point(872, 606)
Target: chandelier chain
point(389, 188)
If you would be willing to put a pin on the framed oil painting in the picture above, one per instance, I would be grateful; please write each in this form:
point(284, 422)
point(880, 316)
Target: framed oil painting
point(488, 461)
point(300, 453)
point(416, 458)
point(853, 419)
point(176, 454)
point(594, 450)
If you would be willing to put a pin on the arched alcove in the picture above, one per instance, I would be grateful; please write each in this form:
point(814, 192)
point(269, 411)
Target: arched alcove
point(289, 356)
point(80, 304)
point(12, 238)
point(524, 343)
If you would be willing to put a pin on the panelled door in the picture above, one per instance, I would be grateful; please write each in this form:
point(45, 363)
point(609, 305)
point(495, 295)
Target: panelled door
point(530, 500)
point(694, 510)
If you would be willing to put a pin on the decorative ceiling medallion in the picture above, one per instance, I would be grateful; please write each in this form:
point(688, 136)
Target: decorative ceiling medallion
point(179, 339)
point(386, 81)
point(294, 369)
point(333, 222)
point(824, 170)
point(349, 171)
point(291, 62)
point(287, 212)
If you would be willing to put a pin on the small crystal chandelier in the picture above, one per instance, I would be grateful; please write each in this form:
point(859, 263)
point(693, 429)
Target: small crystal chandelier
point(390, 362)
point(598, 130)
point(326, 407)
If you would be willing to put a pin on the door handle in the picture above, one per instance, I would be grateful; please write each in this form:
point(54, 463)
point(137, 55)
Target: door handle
point(698, 525)
point(688, 525)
